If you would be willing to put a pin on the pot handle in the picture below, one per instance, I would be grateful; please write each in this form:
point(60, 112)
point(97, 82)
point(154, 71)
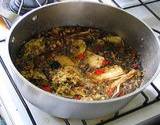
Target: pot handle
point(4, 28)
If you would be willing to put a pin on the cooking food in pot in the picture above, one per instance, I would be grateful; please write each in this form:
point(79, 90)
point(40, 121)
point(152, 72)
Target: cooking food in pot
point(82, 63)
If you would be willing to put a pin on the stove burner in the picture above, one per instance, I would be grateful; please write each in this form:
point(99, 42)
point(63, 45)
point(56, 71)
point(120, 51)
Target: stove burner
point(22, 6)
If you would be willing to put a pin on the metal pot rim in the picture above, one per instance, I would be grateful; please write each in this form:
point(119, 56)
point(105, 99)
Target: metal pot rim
point(74, 100)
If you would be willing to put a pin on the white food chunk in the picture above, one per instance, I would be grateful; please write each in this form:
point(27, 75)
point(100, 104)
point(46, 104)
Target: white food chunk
point(124, 78)
point(110, 73)
point(94, 60)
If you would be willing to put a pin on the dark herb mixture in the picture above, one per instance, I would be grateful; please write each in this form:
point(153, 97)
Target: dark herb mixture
point(80, 63)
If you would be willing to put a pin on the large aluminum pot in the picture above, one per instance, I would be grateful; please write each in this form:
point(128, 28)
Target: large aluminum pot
point(111, 19)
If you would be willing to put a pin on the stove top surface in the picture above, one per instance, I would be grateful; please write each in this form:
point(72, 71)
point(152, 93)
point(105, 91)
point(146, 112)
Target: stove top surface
point(15, 113)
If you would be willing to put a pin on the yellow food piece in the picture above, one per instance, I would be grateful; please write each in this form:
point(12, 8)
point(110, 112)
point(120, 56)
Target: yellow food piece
point(78, 47)
point(113, 39)
point(100, 42)
point(34, 74)
point(34, 47)
point(67, 73)
point(64, 60)
point(94, 60)
point(79, 91)
point(65, 91)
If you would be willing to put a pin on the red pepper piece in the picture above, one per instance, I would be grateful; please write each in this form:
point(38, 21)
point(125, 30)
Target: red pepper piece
point(121, 94)
point(99, 48)
point(106, 62)
point(81, 56)
point(77, 97)
point(135, 66)
point(99, 71)
point(47, 88)
point(110, 91)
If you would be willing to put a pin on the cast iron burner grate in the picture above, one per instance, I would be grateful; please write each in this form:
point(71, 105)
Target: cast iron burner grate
point(117, 115)
point(141, 3)
point(23, 6)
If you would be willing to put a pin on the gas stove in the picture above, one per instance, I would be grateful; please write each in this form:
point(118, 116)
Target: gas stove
point(18, 111)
